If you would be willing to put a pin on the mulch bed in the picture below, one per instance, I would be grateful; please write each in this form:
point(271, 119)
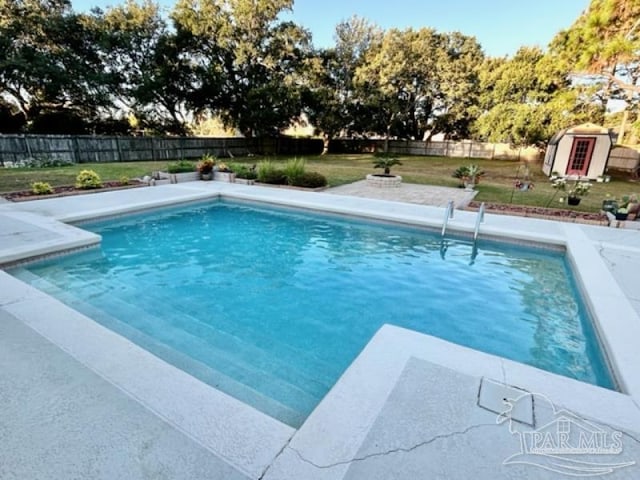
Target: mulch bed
point(541, 212)
point(65, 190)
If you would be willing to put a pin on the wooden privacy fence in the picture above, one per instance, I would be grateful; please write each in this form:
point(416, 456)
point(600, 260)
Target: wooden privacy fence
point(94, 149)
point(460, 149)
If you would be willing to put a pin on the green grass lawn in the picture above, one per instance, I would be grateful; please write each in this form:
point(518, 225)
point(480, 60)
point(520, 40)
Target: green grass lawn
point(496, 186)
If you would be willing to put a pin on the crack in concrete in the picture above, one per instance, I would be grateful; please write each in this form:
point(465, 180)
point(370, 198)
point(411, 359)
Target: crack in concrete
point(603, 254)
point(504, 372)
point(393, 450)
point(269, 465)
point(629, 435)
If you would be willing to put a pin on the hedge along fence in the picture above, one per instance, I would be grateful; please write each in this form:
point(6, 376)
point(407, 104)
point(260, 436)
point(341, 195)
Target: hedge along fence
point(94, 149)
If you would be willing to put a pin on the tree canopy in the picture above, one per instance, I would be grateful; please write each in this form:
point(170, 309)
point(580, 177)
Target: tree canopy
point(132, 67)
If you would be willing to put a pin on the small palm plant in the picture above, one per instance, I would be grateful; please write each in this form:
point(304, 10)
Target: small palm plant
point(386, 163)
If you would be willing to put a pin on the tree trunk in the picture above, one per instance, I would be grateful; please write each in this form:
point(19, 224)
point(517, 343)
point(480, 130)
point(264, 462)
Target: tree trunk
point(623, 126)
point(625, 118)
point(386, 139)
point(326, 139)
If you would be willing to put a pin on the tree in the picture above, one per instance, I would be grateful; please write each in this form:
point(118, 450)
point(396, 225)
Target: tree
point(329, 97)
point(603, 47)
point(247, 60)
point(418, 80)
point(48, 62)
point(458, 68)
point(526, 99)
point(146, 66)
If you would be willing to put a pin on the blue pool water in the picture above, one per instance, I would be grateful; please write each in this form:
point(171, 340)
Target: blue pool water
point(272, 305)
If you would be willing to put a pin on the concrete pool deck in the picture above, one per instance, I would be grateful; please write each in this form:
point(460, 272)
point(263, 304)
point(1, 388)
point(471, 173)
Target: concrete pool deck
point(84, 402)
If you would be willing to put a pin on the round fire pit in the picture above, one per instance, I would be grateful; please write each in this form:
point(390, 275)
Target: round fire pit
point(384, 181)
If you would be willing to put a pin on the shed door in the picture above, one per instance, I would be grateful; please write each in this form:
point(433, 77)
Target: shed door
point(580, 157)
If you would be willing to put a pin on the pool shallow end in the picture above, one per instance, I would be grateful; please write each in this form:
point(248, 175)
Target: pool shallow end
point(242, 436)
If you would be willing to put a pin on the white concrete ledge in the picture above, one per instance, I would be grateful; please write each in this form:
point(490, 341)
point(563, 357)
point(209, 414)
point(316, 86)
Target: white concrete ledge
point(242, 436)
point(345, 416)
point(27, 236)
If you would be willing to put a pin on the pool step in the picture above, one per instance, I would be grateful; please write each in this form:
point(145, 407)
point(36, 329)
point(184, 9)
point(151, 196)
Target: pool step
point(221, 368)
point(220, 352)
point(291, 364)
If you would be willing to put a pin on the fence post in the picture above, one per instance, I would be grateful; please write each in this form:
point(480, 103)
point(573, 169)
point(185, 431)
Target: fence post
point(27, 146)
point(153, 148)
point(118, 148)
point(75, 149)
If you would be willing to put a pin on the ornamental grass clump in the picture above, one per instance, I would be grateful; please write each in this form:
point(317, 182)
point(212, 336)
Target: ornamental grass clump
point(294, 169)
point(268, 172)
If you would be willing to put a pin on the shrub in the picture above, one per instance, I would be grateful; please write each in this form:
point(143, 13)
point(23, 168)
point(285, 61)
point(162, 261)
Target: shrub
point(42, 161)
point(87, 179)
point(244, 171)
point(124, 180)
point(311, 180)
point(294, 169)
point(468, 173)
point(269, 173)
point(41, 188)
point(183, 166)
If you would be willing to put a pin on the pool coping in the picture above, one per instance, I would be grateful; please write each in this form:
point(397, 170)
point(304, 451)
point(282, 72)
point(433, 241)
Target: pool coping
point(346, 415)
point(252, 445)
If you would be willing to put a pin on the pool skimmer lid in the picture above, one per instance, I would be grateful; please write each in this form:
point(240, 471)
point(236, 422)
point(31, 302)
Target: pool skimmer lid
point(511, 402)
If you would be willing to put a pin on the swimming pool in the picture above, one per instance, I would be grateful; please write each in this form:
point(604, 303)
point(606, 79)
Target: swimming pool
point(271, 305)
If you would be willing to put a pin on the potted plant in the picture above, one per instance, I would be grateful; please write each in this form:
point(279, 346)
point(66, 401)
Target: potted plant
point(469, 175)
point(205, 167)
point(386, 162)
point(575, 188)
point(223, 173)
point(627, 205)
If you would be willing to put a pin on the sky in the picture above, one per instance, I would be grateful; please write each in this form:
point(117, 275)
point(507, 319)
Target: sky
point(500, 26)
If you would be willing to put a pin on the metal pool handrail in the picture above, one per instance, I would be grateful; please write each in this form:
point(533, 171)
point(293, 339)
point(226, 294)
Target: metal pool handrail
point(447, 215)
point(479, 220)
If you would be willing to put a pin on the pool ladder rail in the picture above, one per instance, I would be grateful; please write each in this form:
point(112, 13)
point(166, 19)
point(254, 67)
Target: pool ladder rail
point(447, 215)
point(479, 220)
